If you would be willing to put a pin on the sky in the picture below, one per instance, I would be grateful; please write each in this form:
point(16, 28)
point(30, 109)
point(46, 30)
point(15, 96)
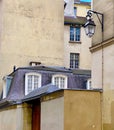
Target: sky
point(86, 0)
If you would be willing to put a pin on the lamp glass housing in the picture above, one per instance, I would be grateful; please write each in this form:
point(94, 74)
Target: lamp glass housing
point(90, 28)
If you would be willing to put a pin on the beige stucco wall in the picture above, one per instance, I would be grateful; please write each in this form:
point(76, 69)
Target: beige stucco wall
point(103, 61)
point(82, 48)
point(82, 110)
point(16, 118)
point(30, 31)
point(103, 77)
point(8, 119)
point(97, 69)
point(52, 114)
point(107, 8)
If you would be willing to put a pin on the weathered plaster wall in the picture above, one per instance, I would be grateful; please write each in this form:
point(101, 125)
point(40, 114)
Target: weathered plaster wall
point(107, 8)
point(31, 31)
point(97, 69)
point(8, 119)
point(52, 114)
point(16, 118)
point(103, 61)
point(103, 77)
point(82, 110)
point(77, 47)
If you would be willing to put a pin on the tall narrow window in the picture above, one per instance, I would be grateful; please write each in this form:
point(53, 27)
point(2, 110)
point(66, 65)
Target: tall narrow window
point(74, 60)
point(60, 81)
point(74, 33)
point(32, 81)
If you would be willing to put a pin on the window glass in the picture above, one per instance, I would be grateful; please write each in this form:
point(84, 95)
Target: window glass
point(6, 86)
point(60, 81)
point(74, 33)
point(29, 83)
point(71, 34)
point(74, 60)
point(32, 81)
point(77, 37)
point(36, 82)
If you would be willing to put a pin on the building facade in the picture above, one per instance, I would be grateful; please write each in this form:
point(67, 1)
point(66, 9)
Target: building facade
point(39, 98)
point(76, 44)
point(103, 60)
point(30, 31)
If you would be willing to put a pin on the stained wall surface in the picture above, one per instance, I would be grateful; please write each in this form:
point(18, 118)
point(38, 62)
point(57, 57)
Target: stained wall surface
point(30, 31)
point(52, 114)
point(103, 77)
point(17, 117)
point(82, 110)
point(108, 11)
point(103, 60)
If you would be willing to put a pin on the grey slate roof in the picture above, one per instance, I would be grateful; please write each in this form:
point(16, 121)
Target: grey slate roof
point(76, 80)
point(37, 93)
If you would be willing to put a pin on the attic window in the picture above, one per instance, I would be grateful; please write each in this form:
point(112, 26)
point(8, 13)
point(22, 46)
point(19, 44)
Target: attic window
point(32, 82)
point(88, 84)
point(6, 85)
point(60, 81)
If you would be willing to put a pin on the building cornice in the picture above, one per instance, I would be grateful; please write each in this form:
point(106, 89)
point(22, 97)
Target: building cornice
point(101, 45)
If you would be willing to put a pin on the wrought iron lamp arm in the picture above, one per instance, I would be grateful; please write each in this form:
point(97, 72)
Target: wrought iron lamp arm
point(89, 13)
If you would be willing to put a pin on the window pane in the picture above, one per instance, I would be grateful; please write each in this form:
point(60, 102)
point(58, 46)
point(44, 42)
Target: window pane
point(59, 82)
point(56, 81)
point(74, 60)
point(74, 33)
point(62, 82)
point(36, 82)
point(77, 36)
point(29, 83)
point(71, 34)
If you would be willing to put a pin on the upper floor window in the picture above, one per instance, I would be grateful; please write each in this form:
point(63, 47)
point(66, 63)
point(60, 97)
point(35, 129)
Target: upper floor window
point(74, 60)
point(6, 85)
point(75, 11)
point(60, 81)
point(32, 81)
point(74, 33)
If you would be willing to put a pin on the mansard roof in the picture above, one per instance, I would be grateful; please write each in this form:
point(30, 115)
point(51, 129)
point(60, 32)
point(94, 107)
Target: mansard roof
point(16, 94)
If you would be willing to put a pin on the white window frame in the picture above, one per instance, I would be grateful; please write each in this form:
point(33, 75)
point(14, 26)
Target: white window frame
point(73, 33)
point(26, 81)
point(59, 76)
point(74, 62)
point(88, 84)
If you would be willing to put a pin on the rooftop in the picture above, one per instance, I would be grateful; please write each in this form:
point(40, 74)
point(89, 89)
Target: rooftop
point(77, 79)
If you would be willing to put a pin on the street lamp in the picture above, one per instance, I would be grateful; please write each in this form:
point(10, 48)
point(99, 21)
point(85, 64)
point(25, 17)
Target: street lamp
point(90, 25)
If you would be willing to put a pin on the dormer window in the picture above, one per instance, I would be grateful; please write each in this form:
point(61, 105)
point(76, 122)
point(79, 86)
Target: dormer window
point(6, 85)
point(60, 81)
point(88, 84)
point(32, 81)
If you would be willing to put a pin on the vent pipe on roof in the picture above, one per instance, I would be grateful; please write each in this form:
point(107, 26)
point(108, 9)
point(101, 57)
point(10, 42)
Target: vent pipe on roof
point(14, 68)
